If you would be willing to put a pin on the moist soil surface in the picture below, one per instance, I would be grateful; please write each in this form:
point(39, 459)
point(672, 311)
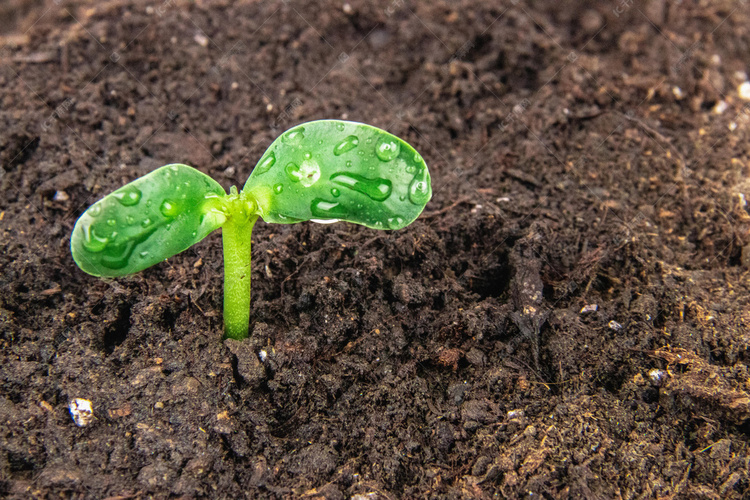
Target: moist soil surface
point(567, 319)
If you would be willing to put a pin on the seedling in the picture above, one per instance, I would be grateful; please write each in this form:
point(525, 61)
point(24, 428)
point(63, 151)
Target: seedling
point(322, 171)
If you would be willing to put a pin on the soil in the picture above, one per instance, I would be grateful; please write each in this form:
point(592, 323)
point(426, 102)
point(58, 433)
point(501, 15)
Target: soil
point(568, 318)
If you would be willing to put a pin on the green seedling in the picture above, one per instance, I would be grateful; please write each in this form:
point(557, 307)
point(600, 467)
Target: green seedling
point(322, 171)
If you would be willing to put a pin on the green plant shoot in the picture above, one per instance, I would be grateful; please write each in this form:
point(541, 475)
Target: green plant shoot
point(322, 171)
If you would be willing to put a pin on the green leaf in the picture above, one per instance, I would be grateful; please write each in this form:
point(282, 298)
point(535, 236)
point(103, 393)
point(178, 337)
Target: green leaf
point(331, 170)
point(147, 221)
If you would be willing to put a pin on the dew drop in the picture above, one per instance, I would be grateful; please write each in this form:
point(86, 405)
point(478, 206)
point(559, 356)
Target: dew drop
point(265, 164)
point(294, 135)
point(174, 168)
point(420, 191)
point(169, 209)
point(194, 234)
point(308, 156)
point(143, 255)
point(320, 142)
point(327, 210)
point(377, 189)
point(348, 163)
point(146, 222)
point(292, 171)
point(278, 188)
point(395, 222)
point(307, 174)
point(128, 196)
point(111, 222)
point(340, 127)
point(95, 210)
point(410, 169)
point(130, 220)
point(92, 242)
point(347, 144)
point(361, 153)
point(335, 192)
point(387, 148)
point(418, 158)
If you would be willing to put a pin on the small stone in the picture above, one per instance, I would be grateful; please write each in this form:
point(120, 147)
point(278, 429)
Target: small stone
point(744, 91)
point(81, 411)
point(657, 377)
point(614, 325)
point(201, 39)
point(61, 196)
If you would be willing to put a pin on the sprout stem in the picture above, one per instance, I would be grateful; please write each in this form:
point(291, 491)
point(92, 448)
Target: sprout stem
point(236, 238)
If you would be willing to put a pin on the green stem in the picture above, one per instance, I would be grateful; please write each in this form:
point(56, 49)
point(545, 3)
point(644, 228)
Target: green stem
point(236, 238)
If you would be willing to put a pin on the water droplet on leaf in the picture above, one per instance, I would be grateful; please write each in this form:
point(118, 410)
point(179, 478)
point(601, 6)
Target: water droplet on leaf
point(111, 222)
point(146, 222)
point(387, 148)
point(340, 127)
point(395, 222)
point(265, 164)
point(307, 174)
point(347, 144)
point(292, 171)
point(327, 209)
point(278, 188)
point(348, 163)
point(335, 192)
point(308, 156)
point(95, 210)
point(294, 135)
point(377, 189)
point(169, 209)
point(128, 196)
point(419, 188)
point(92, 242)
point(130, 220)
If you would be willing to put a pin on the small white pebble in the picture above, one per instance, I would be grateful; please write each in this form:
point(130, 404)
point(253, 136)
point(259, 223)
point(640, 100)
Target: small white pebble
point(743, 201)
point(657, 376)
point(732, 126)
point(678, 93)
point(263, 355)
point(744, 91)
point(720, 107)
point(614, 325)
point(201, 39)
point(61, 196)
point(269, 107)
point(589, 308)
point(740, 76)
point(502, 198)
point(515, 414)
point(235, 85)
point(347, 8)
point(80, 410)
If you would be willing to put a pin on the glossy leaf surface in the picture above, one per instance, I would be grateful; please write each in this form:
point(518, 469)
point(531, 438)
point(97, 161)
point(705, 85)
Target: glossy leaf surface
point(147, 221)
point(331, 170)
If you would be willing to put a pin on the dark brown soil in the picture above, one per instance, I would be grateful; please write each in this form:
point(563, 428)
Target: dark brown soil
point(585, 157)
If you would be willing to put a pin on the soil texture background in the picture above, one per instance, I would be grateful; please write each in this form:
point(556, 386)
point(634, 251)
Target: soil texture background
point(567, 319)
